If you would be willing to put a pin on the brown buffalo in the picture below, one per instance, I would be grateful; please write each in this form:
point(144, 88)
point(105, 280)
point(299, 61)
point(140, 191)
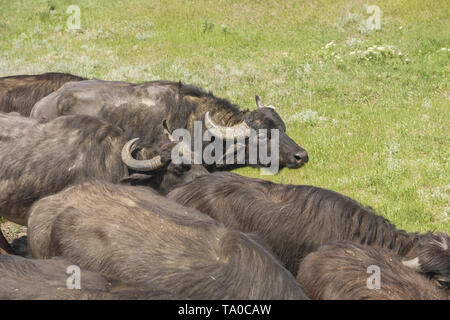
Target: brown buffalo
point(20, 93)
point(30, 279)
point(133, 234)
point(295, 220)
point(348, 270)
point(39, 159)
point(139, 109)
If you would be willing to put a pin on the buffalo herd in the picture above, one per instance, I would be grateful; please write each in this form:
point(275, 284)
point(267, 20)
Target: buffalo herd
point(91, 168)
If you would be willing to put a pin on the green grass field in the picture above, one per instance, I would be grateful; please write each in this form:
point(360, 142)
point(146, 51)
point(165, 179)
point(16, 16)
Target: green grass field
point(371, 107)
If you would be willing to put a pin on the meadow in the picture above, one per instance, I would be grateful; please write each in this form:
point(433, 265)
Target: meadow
point(371, 106)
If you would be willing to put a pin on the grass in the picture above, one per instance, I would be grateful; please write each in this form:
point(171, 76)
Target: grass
point(375, 123)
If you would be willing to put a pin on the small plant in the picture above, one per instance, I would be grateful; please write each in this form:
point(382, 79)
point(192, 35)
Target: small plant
point(207, 25)
point(51, 5)
point(308, 117)
point(331, 52)
point(379, 52)
point(44, 15)
point(224, 28)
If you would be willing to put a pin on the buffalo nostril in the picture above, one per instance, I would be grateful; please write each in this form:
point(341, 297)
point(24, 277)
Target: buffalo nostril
point(301, 156)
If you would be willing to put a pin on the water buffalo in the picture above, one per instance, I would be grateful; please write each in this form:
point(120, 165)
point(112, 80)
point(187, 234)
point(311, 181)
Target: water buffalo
point(32, 279)
point(139, 110)
point(39, 159)
point(295, 220)
point(20, 93)
point(350, 271)
point(133, 234)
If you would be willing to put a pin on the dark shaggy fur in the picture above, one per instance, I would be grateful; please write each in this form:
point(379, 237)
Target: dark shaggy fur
point(5, 248)
point(39, 159)
point(434, 259)
point(133, 234)
point(20, 93)
point(340, 271)
point(139, 109)
point(29, 279)
point(295, 220)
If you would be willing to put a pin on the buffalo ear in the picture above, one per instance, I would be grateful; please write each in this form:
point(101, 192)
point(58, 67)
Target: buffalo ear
point(166, 130)
point(258, 102)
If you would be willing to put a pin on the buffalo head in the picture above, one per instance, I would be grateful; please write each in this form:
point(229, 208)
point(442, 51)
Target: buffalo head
point(158, 172)
point(433, 259)
point(291, 155)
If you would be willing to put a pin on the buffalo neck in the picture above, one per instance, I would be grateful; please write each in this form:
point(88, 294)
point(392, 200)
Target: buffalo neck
point(222, 112)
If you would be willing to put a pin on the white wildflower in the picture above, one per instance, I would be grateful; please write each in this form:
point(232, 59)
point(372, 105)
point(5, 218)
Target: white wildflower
point(427, 103)
point(307, 116)
point(332, 43)
point(307, 68)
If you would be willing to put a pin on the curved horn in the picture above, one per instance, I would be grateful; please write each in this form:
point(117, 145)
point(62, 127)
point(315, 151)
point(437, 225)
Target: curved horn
point(260, 105)
point(443, 244)
point(258, 102)
point(139, 165)
point(236, 131)
point(413, 264)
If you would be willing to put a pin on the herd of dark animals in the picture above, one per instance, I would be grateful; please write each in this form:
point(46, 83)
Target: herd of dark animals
point(86, 166)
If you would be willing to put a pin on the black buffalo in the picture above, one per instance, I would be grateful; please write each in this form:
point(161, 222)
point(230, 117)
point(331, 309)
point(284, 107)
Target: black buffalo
point(20, 93)
point(133, 234)
point(342, 270)
point(39, 159)
point(139, 109)
point(295, 220)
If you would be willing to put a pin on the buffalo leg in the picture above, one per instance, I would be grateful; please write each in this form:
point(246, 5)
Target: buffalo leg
point(5, 248)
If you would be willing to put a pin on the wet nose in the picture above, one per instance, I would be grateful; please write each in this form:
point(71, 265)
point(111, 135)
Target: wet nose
point(301, 157)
